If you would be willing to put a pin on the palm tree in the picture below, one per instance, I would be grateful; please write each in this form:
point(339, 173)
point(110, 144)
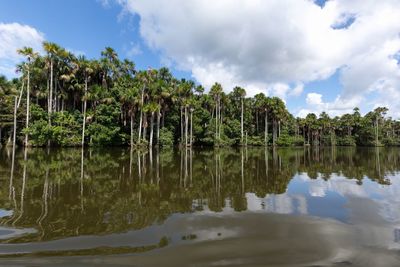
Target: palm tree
point(279, 113)
point(29, 54)
point(216, 92)
point(241, 93)
point(87, 70)
point(379, 114)
point(51, 50)
point(152, 108)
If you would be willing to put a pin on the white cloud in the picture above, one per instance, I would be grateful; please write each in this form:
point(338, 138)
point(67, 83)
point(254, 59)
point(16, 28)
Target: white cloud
point(259, 44)
point(315, 104)
point(134, 50)
point(12, 37)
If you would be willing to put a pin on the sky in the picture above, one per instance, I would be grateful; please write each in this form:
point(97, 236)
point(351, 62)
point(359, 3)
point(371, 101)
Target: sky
point(316, 55)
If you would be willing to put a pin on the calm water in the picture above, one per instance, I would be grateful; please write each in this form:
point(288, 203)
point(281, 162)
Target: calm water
point(226, 207)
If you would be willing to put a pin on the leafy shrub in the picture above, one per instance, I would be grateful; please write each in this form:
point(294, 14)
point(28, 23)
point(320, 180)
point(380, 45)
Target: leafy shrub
point(166, 137)
point(254, 140)
point(345, 141)
point(102, 135)
point(284, 140)
point(39, 132)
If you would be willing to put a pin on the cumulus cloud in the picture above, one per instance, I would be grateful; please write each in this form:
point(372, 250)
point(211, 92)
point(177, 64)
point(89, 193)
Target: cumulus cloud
point(316, 104)
point(12, 37)
point(262, 45)
point(133, 50)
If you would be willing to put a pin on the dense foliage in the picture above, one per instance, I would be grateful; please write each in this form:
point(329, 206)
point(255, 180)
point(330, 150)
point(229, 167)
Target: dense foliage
point(65, 100)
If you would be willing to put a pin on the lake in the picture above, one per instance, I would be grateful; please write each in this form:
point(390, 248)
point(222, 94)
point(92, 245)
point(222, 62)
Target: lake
point(327, 206)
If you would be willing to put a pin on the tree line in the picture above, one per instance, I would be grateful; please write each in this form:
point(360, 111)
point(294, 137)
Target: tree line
point(62, 99)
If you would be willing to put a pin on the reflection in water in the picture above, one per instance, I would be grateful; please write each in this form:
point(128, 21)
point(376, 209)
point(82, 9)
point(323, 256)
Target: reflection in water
point(72, 193)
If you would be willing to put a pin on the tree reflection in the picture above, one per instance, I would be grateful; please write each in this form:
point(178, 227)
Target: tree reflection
point(73, 192)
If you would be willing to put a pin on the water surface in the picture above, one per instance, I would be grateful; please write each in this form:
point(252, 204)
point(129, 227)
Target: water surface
point(200, 207)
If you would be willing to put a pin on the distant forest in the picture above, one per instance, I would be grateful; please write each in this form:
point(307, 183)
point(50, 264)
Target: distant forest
point(66, 100)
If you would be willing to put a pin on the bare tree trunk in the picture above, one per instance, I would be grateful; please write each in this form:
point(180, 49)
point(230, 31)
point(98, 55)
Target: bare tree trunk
point(220, 118)
point(151, 129)
point(50, 107)
point(55, 95)
point(181, 125)
point(216, 120)
point(186, 126)
point(15, 121)
point(84, 113)
point(131, 128)
point(241, 123)
point(191, 128)
point(266, 129)
point(27, 107)
point(16, 105)
point(158, 126)
point(145, 126)
point(140, 119)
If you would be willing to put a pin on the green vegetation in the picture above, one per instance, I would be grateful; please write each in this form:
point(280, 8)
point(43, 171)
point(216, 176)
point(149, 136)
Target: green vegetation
point(65, 100)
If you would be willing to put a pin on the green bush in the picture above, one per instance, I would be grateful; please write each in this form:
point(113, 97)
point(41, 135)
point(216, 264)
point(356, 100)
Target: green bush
point(297, 141)
point(254, 140)
point(39, 132)
point(390, 141)
point(102, 135)
point(345, 141)
point(166, 137)
point(284, 140)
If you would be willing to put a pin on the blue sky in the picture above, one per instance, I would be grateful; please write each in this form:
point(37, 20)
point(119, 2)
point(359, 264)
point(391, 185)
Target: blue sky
point(302, 51)
point(82, 26)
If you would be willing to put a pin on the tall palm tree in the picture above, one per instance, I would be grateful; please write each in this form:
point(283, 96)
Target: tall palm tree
point(86, 70)
point(216, 92)
point(51, 49)
point(241, 93)
point(29, 54)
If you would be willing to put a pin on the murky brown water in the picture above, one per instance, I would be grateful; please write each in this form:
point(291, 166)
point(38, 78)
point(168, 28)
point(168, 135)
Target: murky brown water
point(200, 207)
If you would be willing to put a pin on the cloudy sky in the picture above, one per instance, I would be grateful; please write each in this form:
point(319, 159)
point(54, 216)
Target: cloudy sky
point(316, 55)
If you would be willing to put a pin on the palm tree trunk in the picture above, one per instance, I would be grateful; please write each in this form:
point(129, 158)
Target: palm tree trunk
point(377, 131)
point(140, 127)
point(140, 119)
point(181, 125)
point(15, 121)
point(50, 108)
point(186, 126)
point(266, 129)
point(55, 95)
point(241, 123)
point(50, 96)
point(221, 125)
point(151, 129)
point(131, 127)
point(158, 126)
point(84, 113)
point(27, 107)
point(216, 121)
point(191, 128)
point(16, 105)
point(145, 126)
